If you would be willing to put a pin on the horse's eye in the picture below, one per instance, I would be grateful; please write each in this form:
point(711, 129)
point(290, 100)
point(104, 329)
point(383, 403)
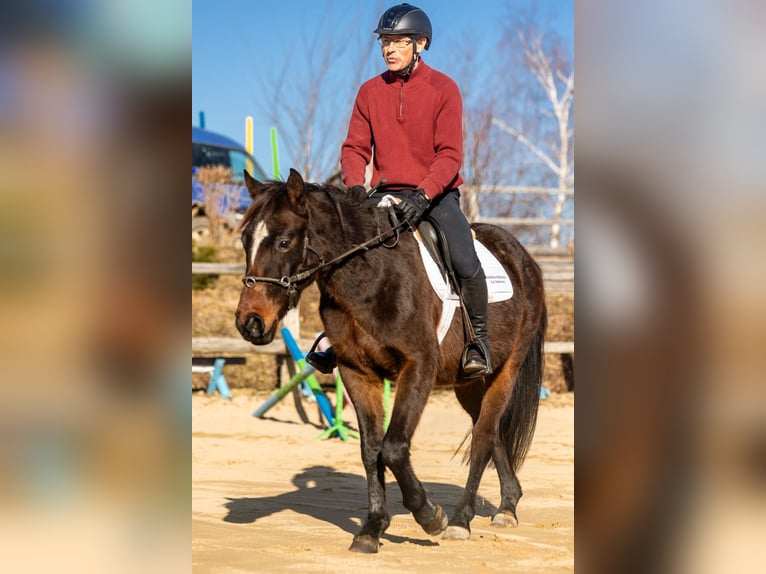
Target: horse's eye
point(283, 244)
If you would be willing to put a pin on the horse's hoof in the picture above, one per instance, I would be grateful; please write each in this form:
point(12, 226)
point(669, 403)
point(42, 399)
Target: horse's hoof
point(456, 533)
point(438, 523)
point(504, 519)
point(365, 544)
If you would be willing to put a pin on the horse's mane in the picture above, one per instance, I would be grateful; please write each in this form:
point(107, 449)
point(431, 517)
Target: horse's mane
point(263, 204)
point(269, 196)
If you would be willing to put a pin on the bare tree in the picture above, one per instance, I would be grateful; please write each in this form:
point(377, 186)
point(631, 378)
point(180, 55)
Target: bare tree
point(557, 84)
point(485, 155)
point(311, 110)
point(478, 156)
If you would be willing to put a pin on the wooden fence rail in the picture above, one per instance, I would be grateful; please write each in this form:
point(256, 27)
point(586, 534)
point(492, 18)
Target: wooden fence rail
point(235, 346)
point(558, 273)
point(231, 346)
point(555, 222)
point(517, 189)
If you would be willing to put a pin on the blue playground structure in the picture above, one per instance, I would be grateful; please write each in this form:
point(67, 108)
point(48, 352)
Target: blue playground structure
point(336, 426)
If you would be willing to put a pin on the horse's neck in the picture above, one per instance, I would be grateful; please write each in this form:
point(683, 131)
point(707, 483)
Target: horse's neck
point(358, 226)
point(355, 225)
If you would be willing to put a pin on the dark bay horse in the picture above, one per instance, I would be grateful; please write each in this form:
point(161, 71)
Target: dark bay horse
point(381, 314)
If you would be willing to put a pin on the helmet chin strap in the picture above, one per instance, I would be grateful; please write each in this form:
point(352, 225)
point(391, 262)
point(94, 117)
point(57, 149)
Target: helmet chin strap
point(405, 72)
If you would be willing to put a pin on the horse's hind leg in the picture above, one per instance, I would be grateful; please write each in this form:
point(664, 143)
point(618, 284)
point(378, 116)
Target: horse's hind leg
point(485, 442)
point(510, 489)
point(482, 444)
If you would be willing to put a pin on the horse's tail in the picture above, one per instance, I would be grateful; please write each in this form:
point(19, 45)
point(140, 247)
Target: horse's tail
point(517, 426)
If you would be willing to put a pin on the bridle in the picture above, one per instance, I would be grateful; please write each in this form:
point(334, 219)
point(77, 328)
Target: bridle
point(291, 282)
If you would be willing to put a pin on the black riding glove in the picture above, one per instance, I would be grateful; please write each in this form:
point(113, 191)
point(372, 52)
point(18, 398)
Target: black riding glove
point(358, 189)
point(413, 205)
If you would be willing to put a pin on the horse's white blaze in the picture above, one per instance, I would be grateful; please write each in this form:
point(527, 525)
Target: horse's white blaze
point(258, 235)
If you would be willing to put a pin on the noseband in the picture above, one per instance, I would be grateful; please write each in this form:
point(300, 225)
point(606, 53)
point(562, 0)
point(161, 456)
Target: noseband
point(291, 282)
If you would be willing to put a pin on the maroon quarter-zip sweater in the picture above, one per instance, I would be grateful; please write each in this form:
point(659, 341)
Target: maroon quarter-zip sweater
point(415, 128)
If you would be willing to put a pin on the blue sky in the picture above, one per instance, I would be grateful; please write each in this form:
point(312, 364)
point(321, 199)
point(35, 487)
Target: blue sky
point(235, 42)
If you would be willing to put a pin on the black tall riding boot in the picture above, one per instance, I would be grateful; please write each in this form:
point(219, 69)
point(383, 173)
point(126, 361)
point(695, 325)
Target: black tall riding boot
point(475, 360)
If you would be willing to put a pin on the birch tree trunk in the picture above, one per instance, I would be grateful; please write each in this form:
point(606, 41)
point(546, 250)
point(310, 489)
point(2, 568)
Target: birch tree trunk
point(559, 91)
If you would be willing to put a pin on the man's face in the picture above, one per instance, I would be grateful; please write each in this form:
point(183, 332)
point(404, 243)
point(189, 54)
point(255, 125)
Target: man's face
point(398, 50)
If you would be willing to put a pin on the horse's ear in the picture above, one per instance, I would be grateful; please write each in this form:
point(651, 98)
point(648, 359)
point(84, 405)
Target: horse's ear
point(295, 192)
point(253, 185)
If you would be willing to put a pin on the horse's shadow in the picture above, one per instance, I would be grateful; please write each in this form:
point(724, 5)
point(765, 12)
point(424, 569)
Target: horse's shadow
point(337, 497)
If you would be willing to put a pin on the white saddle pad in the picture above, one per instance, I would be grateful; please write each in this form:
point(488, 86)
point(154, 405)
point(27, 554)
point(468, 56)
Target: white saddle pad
point(499, 287)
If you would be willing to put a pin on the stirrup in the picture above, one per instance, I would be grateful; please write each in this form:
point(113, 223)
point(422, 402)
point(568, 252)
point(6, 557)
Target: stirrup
point(474, 361)
point(322, 361)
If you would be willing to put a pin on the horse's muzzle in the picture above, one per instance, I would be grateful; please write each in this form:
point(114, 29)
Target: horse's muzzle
point(252, 329)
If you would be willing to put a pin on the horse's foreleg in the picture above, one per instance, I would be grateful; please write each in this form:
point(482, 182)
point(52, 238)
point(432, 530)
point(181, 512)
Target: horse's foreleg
point(396, 455)
point(369, 409)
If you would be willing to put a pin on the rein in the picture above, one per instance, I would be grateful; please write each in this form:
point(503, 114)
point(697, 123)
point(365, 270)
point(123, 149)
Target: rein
point(290, 282)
